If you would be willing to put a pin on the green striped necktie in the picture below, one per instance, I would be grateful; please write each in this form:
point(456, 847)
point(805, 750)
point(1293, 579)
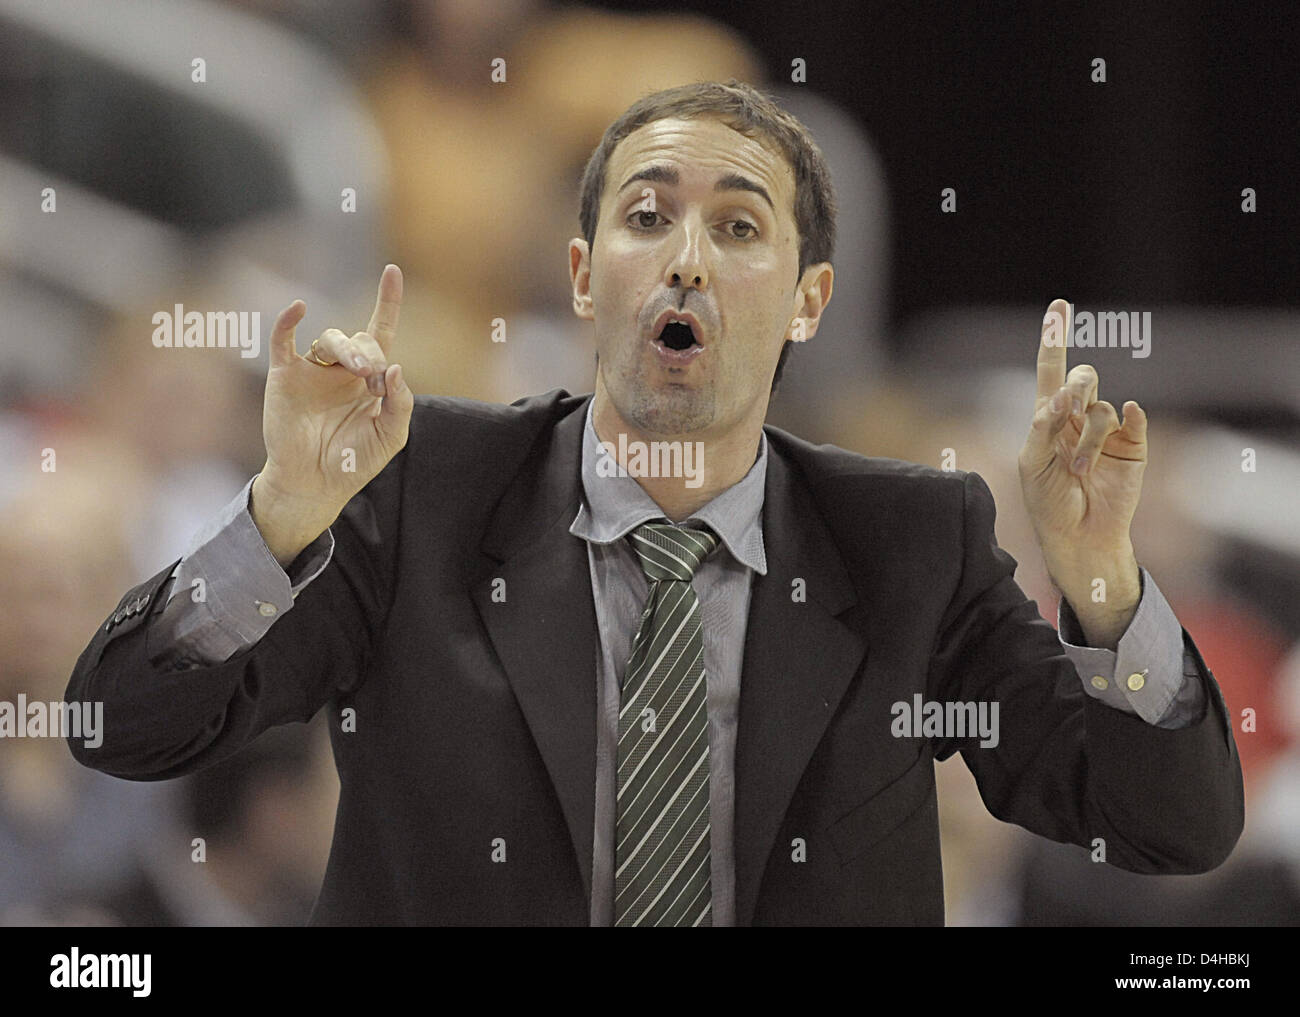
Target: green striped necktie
point(661, 867)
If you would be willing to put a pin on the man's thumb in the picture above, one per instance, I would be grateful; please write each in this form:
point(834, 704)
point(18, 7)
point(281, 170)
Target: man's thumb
point(282, 334)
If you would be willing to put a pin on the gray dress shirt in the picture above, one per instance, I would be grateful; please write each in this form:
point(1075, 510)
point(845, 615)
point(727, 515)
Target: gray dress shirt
point(244, 590)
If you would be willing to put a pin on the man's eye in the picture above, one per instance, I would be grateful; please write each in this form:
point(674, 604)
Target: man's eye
point(749, 229)
point(637, 218)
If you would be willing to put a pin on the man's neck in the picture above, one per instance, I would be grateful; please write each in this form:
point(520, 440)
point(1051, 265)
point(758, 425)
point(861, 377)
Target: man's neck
point(721, 459)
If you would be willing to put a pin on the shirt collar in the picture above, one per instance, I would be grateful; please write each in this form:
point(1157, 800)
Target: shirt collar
point(613, 506)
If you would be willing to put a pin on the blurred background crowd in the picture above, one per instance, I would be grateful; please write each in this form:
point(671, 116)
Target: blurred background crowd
point(224, 188)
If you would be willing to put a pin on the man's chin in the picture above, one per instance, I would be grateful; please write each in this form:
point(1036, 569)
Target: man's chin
point(672, 410)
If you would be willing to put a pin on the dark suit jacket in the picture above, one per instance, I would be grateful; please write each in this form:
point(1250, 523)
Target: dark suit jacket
point(475, 719)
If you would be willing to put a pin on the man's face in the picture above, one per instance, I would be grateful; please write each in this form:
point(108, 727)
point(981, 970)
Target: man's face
point(714, 243)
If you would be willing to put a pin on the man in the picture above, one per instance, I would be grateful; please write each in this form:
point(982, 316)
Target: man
point(565, 687)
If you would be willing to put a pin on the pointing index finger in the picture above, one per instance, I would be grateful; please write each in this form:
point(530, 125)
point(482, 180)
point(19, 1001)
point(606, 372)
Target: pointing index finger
point(1051, 348)
point(388, 305)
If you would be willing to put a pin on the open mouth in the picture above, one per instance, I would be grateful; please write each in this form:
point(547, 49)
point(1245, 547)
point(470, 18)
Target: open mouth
point(677, 336)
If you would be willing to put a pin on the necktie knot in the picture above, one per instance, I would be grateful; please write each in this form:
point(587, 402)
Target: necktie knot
point(669, 552)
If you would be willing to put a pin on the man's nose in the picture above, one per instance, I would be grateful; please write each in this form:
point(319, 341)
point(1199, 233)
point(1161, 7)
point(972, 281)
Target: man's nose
point(688, 267)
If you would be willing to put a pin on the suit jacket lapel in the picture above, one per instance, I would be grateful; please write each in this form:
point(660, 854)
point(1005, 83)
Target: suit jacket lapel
point(798, 662)
point(545, 630)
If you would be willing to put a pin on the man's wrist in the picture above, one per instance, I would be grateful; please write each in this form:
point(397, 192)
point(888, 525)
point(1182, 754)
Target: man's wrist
point(287, 524)
point(1103, 591)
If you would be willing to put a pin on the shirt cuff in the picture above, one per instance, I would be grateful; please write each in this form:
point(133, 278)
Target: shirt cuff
point(1146, 673)
point(237, 587)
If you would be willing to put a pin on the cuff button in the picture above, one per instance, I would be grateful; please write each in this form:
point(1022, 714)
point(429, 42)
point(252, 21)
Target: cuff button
point(266, 610)
point(1098, 682)
point(1136, 681)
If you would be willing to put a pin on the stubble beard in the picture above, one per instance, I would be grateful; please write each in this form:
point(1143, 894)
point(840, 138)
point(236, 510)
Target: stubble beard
point(666, 409)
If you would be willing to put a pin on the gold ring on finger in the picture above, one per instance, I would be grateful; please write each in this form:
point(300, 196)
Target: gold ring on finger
point(312, 357)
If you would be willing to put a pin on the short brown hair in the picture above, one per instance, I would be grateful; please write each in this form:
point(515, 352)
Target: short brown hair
point(749, 112)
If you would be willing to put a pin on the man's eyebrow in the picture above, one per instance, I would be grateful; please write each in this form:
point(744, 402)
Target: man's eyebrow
point(668, 175)
point(736, 182)
point(653, 174)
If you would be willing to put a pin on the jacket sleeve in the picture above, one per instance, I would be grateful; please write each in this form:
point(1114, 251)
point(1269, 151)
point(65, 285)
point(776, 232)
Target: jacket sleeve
point(163, 719)
point(1066, 765)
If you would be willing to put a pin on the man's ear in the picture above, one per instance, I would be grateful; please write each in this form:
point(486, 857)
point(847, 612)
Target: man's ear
point(580, 277)
point(810, 299)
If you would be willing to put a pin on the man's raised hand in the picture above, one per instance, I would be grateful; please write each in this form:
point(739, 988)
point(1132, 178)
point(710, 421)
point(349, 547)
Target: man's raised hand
point(331, 421)
point(1080, 469)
